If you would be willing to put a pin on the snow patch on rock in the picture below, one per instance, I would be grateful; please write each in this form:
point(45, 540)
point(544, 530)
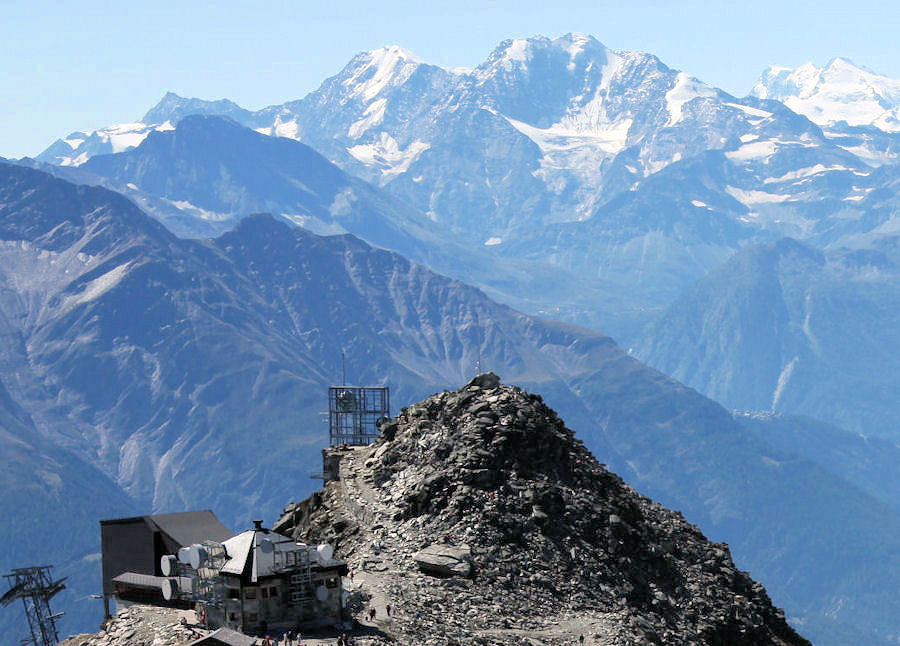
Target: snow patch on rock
point(685, 90)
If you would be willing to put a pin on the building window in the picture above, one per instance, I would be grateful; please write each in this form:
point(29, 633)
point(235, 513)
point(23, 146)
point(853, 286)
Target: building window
point(331, 583)
point(234, 593)
point(264, 593)
point(273, 592)
point(250, 593)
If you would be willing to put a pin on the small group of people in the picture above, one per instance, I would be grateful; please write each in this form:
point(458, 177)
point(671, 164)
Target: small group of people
point(373, 612)
point(288, 639)
point(343, 640)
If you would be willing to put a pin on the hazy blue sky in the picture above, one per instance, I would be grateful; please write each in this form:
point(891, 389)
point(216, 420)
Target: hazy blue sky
point(68, 66)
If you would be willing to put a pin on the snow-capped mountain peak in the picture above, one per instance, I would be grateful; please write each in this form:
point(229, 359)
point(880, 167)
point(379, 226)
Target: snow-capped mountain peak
point(78, 147)
point(378, 69)
point(516, 54)
point(839, 91)
point(518, 50)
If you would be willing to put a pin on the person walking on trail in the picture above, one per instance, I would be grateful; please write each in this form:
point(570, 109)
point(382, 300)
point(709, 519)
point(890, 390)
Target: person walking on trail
point(372, 613)
point(388, 608)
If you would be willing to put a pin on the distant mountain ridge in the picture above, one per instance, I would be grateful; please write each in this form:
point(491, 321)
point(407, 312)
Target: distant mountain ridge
point(488, 170)
point(204, 176)
point(785, 327)
point(565, 153)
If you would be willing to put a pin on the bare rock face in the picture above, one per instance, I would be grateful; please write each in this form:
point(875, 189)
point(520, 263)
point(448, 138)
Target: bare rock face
point(558, 547)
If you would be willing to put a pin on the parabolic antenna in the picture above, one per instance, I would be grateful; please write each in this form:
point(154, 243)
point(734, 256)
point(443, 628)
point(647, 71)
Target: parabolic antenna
point(197, 556)
point(321, 593)
point(324, 552)
point(168, 564)
point(170, 588)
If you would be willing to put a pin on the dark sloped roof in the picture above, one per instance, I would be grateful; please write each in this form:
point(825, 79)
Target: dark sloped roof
point(188, 527)
point(184, 527)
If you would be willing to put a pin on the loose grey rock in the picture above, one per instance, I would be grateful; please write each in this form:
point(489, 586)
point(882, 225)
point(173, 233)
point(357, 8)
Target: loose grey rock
point(444, 560)
point(567, 546)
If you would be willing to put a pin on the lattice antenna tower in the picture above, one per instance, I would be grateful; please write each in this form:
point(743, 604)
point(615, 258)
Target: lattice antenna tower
point(35, 587)
point(356, 413)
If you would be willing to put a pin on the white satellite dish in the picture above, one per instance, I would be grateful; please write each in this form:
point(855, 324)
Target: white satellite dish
point(324, 552)
point(197, 556)
point(169, 588)
point(266, 546)
point(184, 555)
point(321, 593)
point(169, 565)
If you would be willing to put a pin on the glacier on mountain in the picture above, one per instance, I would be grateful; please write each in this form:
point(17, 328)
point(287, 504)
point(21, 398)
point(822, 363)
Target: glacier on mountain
point(841, 91)
point(580, 158)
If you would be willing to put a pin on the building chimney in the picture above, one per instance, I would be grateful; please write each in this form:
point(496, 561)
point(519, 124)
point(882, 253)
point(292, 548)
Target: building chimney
point(257, 525)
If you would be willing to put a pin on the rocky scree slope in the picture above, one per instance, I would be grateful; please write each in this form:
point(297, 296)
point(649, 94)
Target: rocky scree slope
point(141, 625)
point(553, 544)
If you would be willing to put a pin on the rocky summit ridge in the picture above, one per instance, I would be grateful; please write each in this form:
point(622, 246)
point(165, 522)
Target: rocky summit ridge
point(482, 520)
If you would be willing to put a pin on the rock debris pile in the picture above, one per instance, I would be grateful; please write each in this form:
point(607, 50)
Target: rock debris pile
point(141, 625)
point(483, 520)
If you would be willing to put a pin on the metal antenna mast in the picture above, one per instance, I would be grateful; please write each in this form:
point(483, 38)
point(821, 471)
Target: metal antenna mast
point(35, 587)
point(343, 370)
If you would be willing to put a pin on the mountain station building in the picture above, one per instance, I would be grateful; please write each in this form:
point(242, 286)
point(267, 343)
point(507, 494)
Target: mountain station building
point(257, 581)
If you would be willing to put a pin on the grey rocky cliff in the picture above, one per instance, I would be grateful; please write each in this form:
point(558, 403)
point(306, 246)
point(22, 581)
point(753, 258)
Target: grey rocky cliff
point(560, 547)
